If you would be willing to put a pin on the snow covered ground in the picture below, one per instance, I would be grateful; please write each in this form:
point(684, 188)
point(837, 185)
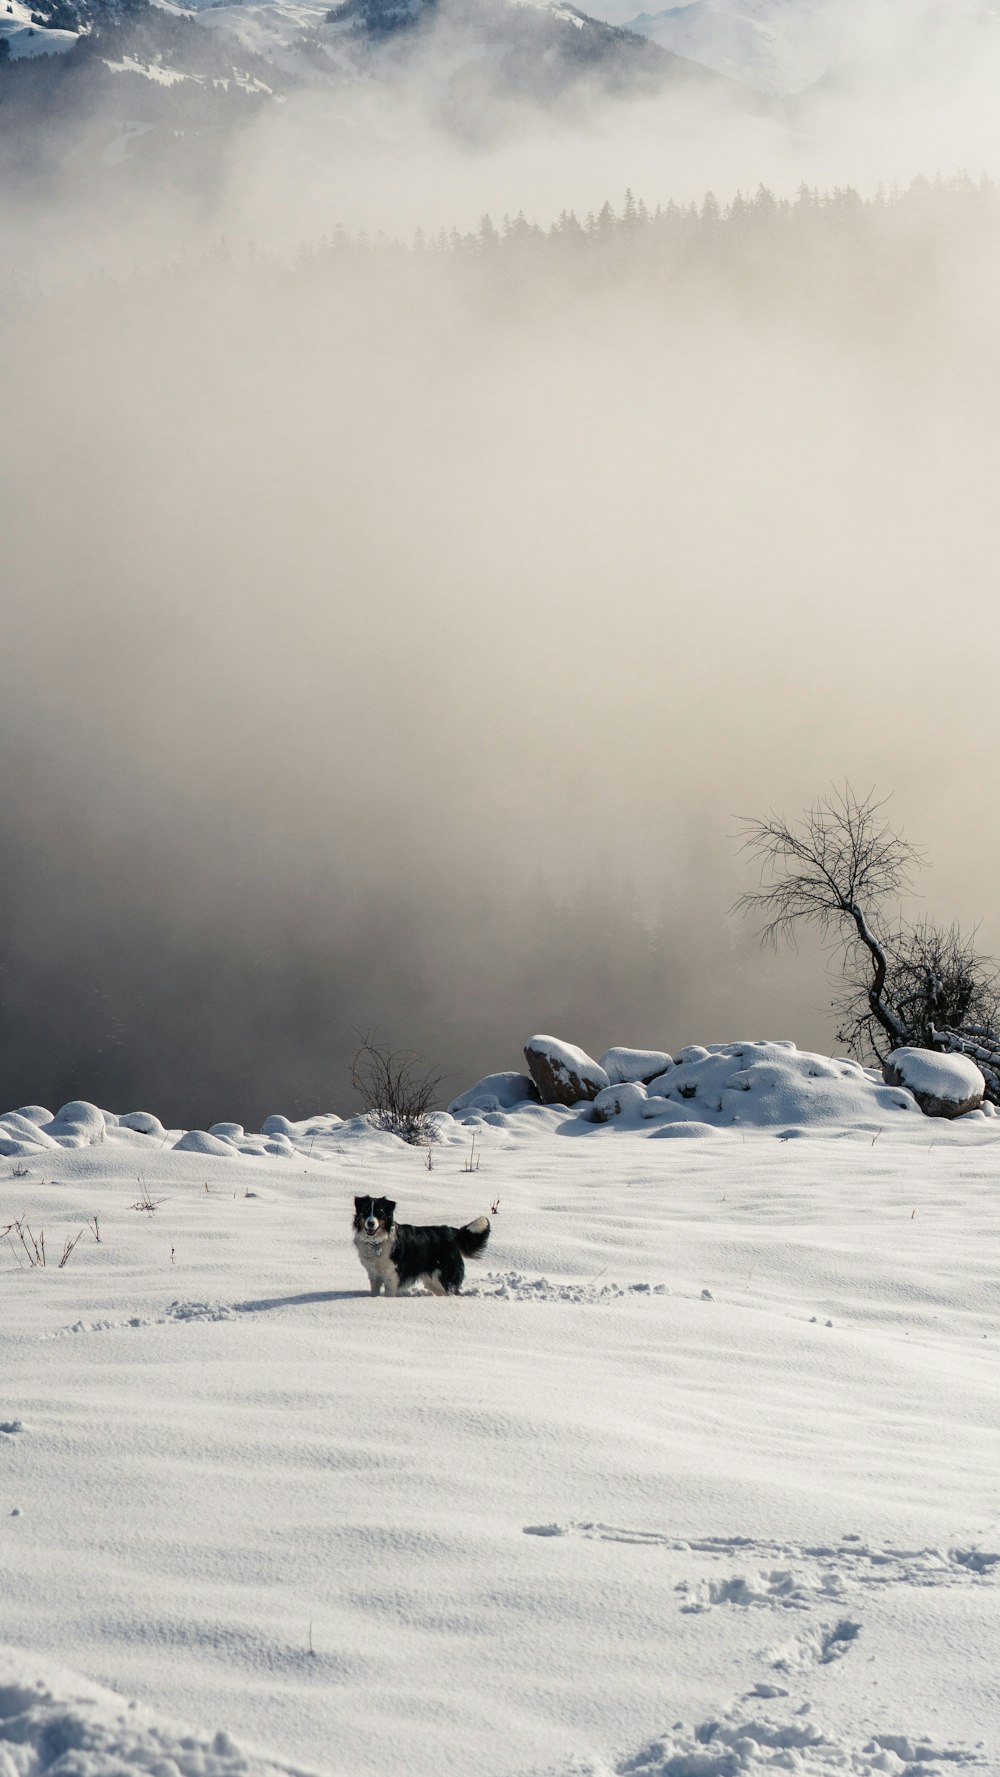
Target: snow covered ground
point(702, 1475)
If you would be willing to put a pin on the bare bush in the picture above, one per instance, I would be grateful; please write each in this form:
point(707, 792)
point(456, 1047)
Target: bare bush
point(68, 1248)
point(144, 1201)
point(397, 1095)
point(29, 1248)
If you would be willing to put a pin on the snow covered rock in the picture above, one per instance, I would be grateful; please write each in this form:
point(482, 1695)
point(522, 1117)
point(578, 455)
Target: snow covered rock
point(943, 1085)
point(496, 1092)
point(277, 1125)
point(78, 1124)
point(562, 1073)
point(630, 1097)
point(622, 1065)
point(142, 1123)
point(198, 1141)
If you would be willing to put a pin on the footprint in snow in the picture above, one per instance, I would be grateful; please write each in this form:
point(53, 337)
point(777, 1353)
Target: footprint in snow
point(177, 1312)
point(200, 1311)
point(817, 1647)
point(11, 1427)
point(749, 1744)
point(512, 1286)
point(802, 1573)
point(778, 1590)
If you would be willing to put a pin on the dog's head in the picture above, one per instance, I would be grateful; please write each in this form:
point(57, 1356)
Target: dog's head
point(373, 1216)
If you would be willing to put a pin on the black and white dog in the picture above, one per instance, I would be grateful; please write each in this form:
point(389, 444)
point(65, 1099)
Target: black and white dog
point(396, 1255)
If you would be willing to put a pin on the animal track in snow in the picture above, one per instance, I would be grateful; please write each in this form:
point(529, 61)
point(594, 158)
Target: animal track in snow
point(736, 1744)
point(817, 1647)
point(780, 1589)
point(512, 1286)
point(200, 1311)
point(177, 1311)
point(11, 1427)
point(105, 1326)
point(814, 1572)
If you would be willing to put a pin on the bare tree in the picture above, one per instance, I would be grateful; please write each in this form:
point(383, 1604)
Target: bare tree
point(834, 869)
point(397, 1096)
point(926, 984)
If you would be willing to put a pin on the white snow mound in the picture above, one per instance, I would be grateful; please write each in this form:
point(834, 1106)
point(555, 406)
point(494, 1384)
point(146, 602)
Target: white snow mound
point(51, 1720)
point(198, 1141)
point(496, 1092)
point(761, 1085)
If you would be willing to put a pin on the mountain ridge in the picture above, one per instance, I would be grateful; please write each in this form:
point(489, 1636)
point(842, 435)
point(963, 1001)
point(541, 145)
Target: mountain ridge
point(149, 66)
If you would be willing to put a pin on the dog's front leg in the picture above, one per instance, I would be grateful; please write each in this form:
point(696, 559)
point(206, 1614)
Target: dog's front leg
point(375, 1284)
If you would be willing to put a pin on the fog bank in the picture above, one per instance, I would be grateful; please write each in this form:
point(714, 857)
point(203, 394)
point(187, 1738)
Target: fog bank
point(394, 638)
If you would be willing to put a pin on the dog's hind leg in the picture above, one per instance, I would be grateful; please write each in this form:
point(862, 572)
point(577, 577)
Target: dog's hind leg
point(432, 1282)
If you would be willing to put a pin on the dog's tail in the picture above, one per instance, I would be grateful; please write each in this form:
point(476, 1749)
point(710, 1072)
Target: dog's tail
point(473, 1237)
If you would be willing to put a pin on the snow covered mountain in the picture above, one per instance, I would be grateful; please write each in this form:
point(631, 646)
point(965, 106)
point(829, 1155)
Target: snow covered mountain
point(537, 50)
point(783, 46)
point(775, 45)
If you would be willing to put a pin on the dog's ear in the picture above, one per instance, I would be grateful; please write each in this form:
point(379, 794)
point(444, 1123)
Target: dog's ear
point(390, 1208)
point(358, 1201)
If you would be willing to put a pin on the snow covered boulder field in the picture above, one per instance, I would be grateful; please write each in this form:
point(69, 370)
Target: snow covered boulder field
point(698, 1476)
point(748, 1084)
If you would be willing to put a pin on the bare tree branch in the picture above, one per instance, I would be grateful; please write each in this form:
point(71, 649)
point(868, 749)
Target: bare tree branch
point(833, 869)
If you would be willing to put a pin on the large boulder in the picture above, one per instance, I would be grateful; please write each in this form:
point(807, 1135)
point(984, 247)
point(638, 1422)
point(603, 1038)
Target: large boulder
point(943, 1085)
point(562, 1073)
point(623, 1065)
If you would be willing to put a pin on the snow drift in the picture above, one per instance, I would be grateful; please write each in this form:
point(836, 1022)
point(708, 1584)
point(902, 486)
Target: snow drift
point(51, 1719)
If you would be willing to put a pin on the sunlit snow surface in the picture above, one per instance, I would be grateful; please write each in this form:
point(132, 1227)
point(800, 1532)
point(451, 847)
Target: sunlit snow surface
point(698, 1476)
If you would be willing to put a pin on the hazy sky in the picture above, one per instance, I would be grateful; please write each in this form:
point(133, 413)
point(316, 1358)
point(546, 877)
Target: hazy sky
point(385, 646)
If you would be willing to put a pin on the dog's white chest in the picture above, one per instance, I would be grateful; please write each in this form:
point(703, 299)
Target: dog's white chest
point(376, 1257)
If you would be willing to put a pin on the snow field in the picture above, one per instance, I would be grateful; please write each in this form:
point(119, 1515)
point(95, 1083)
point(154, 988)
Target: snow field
point(702, 1469)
